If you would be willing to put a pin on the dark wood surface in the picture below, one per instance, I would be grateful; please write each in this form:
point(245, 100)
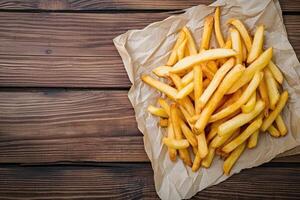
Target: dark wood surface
point(67, 129)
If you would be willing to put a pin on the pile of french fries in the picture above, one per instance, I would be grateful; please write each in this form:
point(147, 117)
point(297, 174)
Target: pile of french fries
point(217, 101)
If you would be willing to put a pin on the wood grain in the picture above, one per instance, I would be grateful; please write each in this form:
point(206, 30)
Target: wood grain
point(75, 49)
point(70, 126)
point(135, 181)
point(287, 5)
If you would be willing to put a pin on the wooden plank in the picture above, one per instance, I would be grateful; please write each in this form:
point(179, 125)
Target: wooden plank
point(287, 5)
point(74, 126)
point(73, 55)
point(135, 181)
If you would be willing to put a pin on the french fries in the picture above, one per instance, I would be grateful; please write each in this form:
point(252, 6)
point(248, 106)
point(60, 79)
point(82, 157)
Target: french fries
point(232, 92)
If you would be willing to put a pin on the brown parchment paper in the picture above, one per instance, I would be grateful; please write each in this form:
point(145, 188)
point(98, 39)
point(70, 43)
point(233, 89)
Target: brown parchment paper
point(143, 50)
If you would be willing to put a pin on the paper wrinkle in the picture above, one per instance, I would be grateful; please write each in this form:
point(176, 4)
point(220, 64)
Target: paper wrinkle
point(143, 50)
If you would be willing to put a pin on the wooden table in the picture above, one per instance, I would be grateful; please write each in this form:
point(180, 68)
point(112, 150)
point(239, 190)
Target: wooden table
point(67, 129)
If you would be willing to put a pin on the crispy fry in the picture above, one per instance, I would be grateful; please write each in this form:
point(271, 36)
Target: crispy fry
point(231, 99)
point(254, 126)
point(161, 71)
point(218, 31)
point(176, 144)
point(240, 120)
point(281, 125)
point(275, 72)
point(196, 163)
point(176, 80)
point(212, 66)
point(163, 122)
point(202, 145)
point(186, 79)
point(181, 49)
point(186, 115)
point(218, 141)
point(185, 91)
point(188, 134)
point(195, 150)
point(243, 31)
point(206, 162)
point(244, 50)
point(168, 90)
point(249, 106)
point(252, 142)
point(237, 45)
point(272, 116)
point(206, 71)
point(206, 83)
point(210, 107)
point(215, 82)
point(190, 41)
point(188, 105)
point(257, 44)
point(160, 112)
point(273, 131)
point(172, 151)
point(162, 102)
point(198, 87)
point(262, 88)
point(207, 30)
point(259, 64)
point(273, 92)
point(173, 57)
point(212, 54)
point(232, 158)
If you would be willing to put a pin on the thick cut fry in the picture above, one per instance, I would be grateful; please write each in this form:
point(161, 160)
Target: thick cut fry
point(206, 71)
point(257, 44)
point(162, 71)
point(198, 87)
point(212, 66)
point(163, 103)
point(275, 72)
point(243, 31)
point(202, 145)
point(232, 158)
point(272, 116)
point(231, 99)
point(212, 54)
point(237, 45)
point(227, 82)
point(176, 144)
point(176, 80)
point(190, 41)
point(168, 90)
point(258, 65)
point(244, 50)
point(181, 48)
point(207, 30)
point(163, 122)
point(188, 78)
point(214, 129)
point(273, 92)
point(206, 83)
point(218, 141)
point(240, 120)
point(188, 134)
point(172, 151)
point(206, 162)
point(160, 112)
point(254, 126)
point(249, 106)
point(188, 105)
point(281, 125)
point(217, 26)
point(215, 82)
point(173, 57)
point(185, 91)
point(252, 142)
point(187, 116)
point(251, 88)
point(264, 95)
point(273, 131)
point(196, 163)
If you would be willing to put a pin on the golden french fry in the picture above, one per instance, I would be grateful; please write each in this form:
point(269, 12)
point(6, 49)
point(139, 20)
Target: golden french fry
point(196, 163)
point(195, 150)
point(168, 90)
point(198, 87)
point(181, 49)
point(251, 88)
point(241, 119)
point(163, 122)
point(231, 99)
point(206, 71)
point(173, 57)
point(259, 64)
point(254, 126)
point(188, 78)
point(202, 145)
point(187, 116)
point(218, 141)
point(162, 71)
point(163, 103)
point(237, 45)
point(189, 135)
point(172, 151)
point(206, 162)
point(272, 116)
point(160, 112)
point(207, 30)
point(218, 31)
point(206, 83)
point(210, 107)
point(281, 125)
point(186, 51)
point(257, 44)
point(176, 80)
point(252, 142)
point(188, 105)
point(190, 41)
point(275, 72)
point(214, 129)
point(176, 144)
point(263, 91)
point(212, 54)
point(249, 106)
point(273, 131)
point(244, 51)
point(185, 91)
point(216, 81)
point(232, 158)
point(243, 31)
point(220, 153)
point(273, 92)
point(212, 66)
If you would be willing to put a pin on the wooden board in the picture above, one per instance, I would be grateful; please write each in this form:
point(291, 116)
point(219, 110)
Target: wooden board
point(135, 181)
